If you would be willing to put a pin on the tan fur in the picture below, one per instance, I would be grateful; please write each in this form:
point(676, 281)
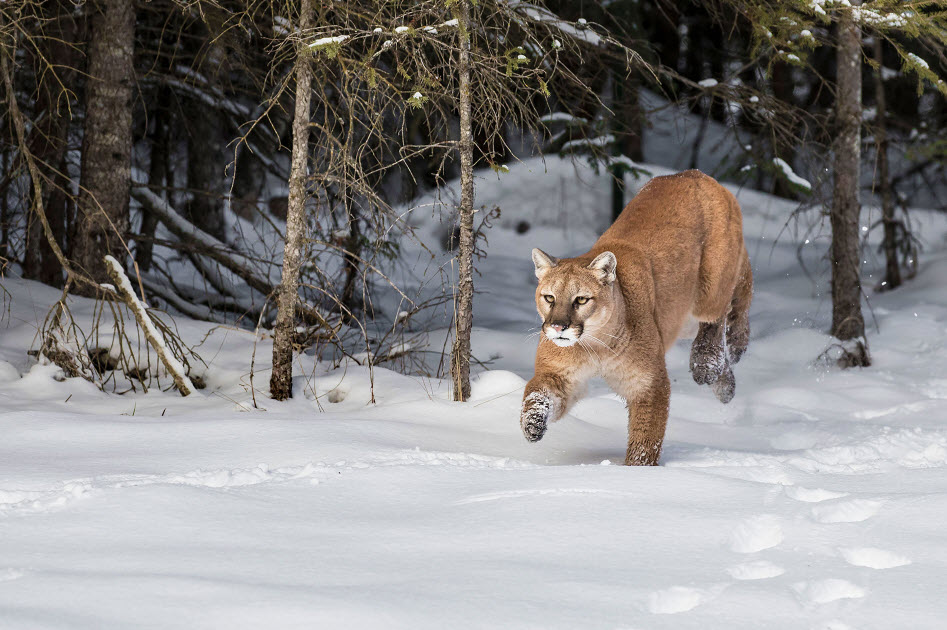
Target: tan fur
point(679, 251)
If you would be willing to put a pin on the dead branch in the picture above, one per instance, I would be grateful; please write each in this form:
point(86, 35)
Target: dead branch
point(155, 339)
point(209, 246)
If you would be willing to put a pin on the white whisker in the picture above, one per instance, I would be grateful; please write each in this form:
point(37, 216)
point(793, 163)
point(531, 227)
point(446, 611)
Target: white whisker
point(600, 342)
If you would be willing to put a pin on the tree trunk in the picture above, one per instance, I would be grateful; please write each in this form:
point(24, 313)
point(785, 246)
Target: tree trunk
point(784, 147)
point(463, 318)
point(627, 127)
point(892, 279)
point(667, 33)
point(281, 381)
point(205, 171)
point(159, 178)
point(49, 143)
point(107, 141)
point(4, 208)
point(352, 257)
point(847, 321)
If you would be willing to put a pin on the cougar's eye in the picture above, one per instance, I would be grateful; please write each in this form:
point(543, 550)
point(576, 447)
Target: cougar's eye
point(582, 300)
point(549, 298)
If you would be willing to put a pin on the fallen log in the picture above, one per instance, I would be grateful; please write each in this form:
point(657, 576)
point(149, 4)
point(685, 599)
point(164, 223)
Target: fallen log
point(207, 245)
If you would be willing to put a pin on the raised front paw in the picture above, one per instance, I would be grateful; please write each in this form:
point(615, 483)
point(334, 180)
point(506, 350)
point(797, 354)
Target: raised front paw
point(534, 418)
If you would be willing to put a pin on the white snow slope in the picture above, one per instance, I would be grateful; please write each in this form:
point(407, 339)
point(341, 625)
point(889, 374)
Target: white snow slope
point(816, 499)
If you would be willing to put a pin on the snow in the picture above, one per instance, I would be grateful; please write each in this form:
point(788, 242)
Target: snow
point(707, 83)
point(791, 175)
point(562, 117)
point(543, 15)
point(872, 17)
point(586, 143)
point(815, 499)
point(919, 61)
point(327, 41)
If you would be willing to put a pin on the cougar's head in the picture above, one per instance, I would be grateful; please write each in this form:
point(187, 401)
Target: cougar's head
point(573, 297)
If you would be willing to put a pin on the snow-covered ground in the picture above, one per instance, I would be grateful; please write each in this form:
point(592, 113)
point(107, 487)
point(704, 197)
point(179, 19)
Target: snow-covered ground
point(816, 499)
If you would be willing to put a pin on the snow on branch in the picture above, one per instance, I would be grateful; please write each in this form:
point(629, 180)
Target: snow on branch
point(562, 117)
point(125, 291)
point(791, 175)
point(599, 142)
point(328, 41)
point(544, 15)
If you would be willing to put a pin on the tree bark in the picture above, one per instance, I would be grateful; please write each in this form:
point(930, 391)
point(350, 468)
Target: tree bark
point(281, 381)
point(205, 168)
point(463, 318)
point(160, 177)
point(4, 209)
point(107, 141)
point(352, 257)
point(782, 84)
point(627, 127)
point(19, 128)
point(892, 279)
point(847, 320)
point(49, 143)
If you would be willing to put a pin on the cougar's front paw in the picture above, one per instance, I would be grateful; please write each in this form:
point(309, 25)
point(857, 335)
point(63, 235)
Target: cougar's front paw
point(534, 418)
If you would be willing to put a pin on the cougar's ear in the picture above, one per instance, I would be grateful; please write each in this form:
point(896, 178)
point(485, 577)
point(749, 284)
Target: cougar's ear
point(605, 264)
point(543, 261)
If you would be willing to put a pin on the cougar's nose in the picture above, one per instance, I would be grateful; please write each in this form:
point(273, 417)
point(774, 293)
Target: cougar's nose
point(557, 327)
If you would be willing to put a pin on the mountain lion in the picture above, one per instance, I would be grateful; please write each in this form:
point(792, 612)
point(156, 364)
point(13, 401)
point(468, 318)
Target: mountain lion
point(676, 250)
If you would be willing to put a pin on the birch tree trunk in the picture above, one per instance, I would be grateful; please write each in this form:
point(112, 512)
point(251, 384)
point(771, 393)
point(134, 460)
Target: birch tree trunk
point(463, 318)
point(847, 320)
point(281, 381)
point(107, 142)
point(892, 278)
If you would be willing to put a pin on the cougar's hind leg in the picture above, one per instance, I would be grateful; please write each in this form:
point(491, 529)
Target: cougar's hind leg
point(725, 386)
point(738, 320)
point(708, 352)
